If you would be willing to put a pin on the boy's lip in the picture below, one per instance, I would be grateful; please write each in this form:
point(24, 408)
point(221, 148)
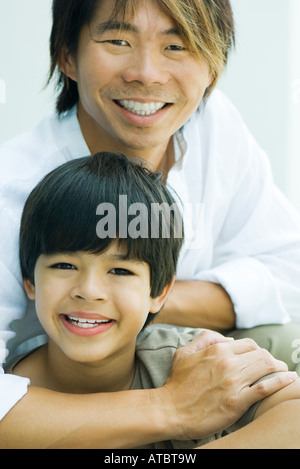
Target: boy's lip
point(87, 315)
point(75, 323)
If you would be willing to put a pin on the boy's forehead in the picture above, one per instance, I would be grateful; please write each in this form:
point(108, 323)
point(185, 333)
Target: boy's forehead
point(116, 251)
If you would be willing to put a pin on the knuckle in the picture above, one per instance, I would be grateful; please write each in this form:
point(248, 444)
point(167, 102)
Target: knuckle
point(261, 388)
point(231, 402)
point(280, 380)
point(269, 361)
point(216, 349)
point(205, 333)
point(251, 344)
point(224, 365)
point(230, 381)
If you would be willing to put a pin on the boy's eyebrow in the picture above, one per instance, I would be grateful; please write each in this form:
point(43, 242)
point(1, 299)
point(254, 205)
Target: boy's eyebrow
point(124, 257)
point(115, 25)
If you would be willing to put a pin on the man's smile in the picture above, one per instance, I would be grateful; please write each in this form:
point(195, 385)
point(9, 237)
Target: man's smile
point(141, 109)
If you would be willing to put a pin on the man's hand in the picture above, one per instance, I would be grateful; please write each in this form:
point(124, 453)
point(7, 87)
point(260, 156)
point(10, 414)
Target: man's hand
point(211, 382)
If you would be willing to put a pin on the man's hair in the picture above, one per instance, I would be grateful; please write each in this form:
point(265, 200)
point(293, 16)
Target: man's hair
point(206, 27)
point(61, 215)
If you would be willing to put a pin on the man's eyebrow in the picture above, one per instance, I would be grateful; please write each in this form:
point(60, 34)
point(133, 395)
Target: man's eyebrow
point(171, 32)
point(115, 25)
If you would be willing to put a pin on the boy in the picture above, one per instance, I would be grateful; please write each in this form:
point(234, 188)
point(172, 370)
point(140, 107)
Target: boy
point(95, 281)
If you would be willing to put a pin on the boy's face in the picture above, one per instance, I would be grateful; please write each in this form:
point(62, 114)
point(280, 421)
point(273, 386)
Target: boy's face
point(92, 306)
point(137, 87)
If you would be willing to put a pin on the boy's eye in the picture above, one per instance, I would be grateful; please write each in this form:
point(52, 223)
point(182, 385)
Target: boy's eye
point(63, 266)
point(120, 271)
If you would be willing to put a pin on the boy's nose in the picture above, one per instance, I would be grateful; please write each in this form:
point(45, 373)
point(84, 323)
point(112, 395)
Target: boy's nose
point(90, 288)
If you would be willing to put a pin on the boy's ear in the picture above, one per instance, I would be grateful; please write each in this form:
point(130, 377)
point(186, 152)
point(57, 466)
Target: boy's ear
point(30, 288)
point(158, 302)
point(67, 64)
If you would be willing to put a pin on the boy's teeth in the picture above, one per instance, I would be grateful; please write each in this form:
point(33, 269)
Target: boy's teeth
point(86, 323)
point(142, 109)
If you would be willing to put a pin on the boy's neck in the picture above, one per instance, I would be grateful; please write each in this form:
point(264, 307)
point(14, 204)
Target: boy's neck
point(58, 373)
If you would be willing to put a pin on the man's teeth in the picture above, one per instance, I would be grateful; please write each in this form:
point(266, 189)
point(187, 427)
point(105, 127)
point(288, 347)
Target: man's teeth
point(141, 109)
point(86, 323)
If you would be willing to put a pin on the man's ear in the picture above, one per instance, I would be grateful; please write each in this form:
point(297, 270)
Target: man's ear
point(30, 288)
point(158, 302)
point(67, 64)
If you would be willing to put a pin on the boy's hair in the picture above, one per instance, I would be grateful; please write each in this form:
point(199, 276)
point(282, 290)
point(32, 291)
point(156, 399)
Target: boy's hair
point(60, 215)
point(206, 27)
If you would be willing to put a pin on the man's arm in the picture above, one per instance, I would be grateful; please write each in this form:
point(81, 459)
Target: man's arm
point(276, 424)
point(198, 304)
point(207, 377)
point(47, 419)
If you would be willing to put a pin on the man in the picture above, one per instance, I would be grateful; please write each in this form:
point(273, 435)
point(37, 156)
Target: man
point(131, 80)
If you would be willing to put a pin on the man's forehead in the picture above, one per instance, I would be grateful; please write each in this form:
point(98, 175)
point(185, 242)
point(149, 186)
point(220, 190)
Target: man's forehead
point(126, 11)
point(114, 15)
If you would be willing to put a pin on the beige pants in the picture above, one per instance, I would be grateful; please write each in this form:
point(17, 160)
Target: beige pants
point(282, 341)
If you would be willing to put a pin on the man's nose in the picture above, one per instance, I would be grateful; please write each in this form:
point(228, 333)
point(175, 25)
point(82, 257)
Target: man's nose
point(147, 68)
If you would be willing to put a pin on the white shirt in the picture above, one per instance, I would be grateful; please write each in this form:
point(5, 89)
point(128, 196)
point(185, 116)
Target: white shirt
point(246, 236)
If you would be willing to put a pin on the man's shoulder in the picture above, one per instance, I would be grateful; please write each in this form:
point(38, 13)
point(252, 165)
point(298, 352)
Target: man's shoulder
point(27, 149)
point(33, 137)
point(37, 149)
point(217, 132)
point(219, 109)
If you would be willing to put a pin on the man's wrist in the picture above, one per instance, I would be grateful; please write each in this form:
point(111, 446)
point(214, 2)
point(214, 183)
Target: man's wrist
point(166, 422)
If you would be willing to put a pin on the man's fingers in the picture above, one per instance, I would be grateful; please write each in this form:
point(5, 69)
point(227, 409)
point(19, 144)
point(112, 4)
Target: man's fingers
point(269, 385)
point(259, 363)
point(205, 339)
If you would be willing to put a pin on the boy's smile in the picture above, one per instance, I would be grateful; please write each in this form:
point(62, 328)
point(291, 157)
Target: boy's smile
point(86, 324)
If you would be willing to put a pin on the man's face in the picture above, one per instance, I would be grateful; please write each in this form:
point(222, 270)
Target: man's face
point(137, 86)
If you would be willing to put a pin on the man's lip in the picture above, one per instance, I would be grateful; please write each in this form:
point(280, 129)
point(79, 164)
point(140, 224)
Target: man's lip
point(140, 99)
point(87, 315)
point(141, 120)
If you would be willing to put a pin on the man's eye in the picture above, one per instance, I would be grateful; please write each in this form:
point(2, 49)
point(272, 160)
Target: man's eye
point(118, 42)
point(173, 47)
point(63, 266)
point(119, 271)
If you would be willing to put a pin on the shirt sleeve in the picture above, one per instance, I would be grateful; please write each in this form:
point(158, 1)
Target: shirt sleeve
point(257, 250)
point(13, 306)
point(12, 389)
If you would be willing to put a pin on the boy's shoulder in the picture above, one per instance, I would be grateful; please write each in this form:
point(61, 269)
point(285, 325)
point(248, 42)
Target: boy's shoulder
point(163, 336)
point(155, 349)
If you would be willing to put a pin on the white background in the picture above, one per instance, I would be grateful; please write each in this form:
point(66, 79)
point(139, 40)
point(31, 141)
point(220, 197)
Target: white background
point(262, 78)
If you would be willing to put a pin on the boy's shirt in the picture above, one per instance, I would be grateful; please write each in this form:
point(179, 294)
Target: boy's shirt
point(155, 349)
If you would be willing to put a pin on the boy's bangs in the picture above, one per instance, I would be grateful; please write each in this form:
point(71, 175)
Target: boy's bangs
point(90, 203)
